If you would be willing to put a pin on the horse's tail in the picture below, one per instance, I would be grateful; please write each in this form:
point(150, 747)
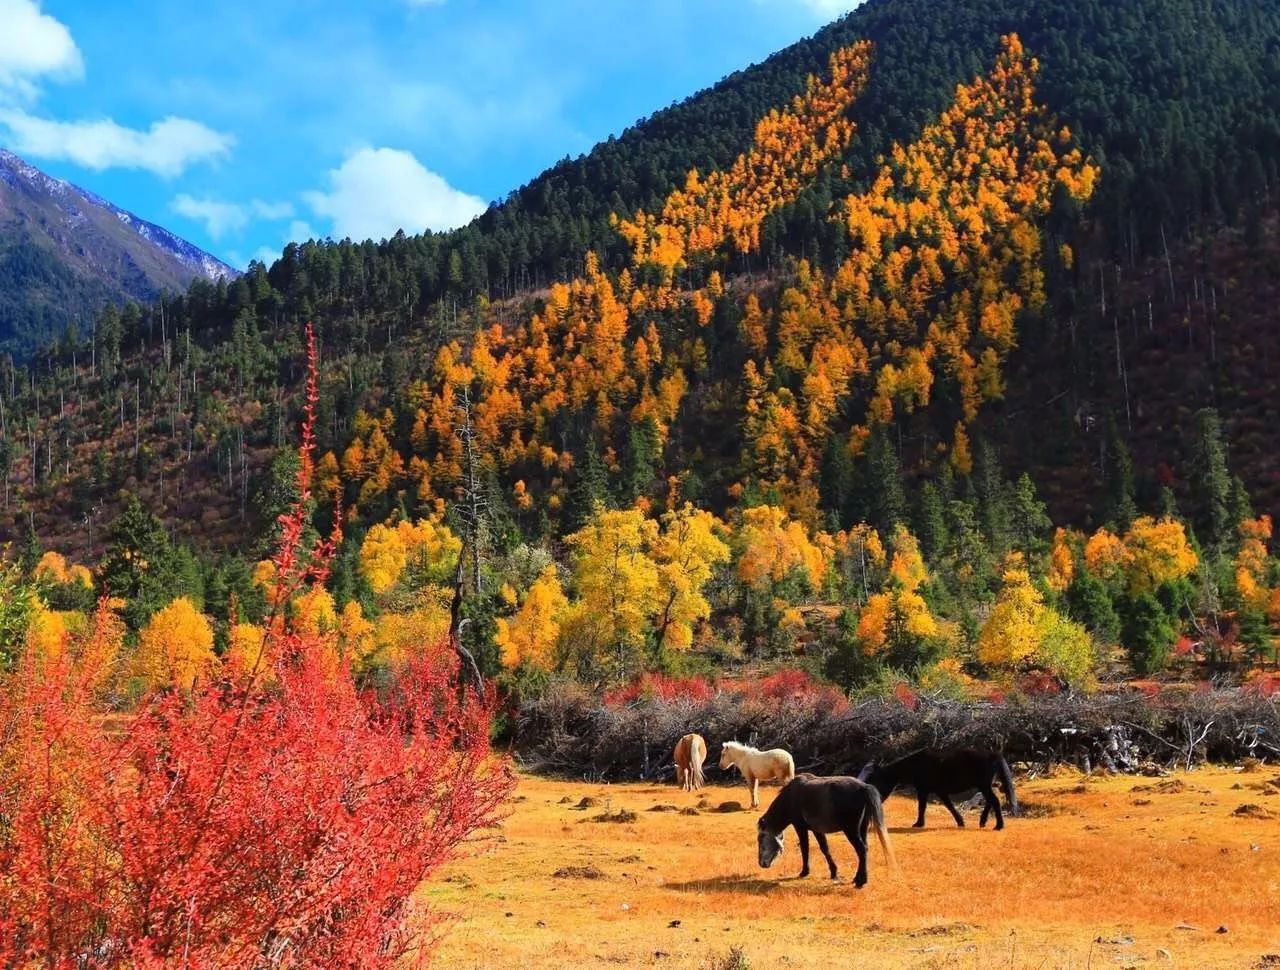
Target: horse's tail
point(1006, 780)
point(876, 807)
point(697, 755)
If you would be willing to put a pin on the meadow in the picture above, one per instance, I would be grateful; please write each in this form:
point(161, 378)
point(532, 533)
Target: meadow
point(1098, 872)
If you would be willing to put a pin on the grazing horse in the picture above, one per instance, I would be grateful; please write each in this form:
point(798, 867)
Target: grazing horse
point(757, 766)
point(691, 752)
point(823, 806)
point(947, 773)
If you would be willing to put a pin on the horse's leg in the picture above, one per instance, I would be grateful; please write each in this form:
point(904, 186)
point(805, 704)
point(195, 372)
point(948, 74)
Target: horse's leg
point(858, 839)
point(994, 803)
point(986, 810)
point(951, 807)
point(826, 851)
point(754, 782)
point(802, 831)
point(922, 800)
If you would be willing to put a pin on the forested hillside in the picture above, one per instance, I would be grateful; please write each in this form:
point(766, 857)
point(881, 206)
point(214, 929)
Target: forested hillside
point(871, 304)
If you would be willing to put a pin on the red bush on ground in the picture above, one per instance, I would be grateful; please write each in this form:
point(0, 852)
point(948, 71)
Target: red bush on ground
point(662, 688)
point(238, 825)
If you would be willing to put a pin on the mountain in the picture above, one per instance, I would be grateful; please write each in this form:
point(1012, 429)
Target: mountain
point(65, 253)
point(1122, 312)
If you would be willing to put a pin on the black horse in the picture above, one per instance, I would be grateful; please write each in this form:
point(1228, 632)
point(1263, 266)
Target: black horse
point(947, 773)
point(823, 806)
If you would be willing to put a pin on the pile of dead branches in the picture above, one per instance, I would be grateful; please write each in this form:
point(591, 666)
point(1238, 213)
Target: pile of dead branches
point(573, 733)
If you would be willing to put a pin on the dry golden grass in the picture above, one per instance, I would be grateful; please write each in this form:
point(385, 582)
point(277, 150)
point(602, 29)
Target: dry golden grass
point(1096, 874)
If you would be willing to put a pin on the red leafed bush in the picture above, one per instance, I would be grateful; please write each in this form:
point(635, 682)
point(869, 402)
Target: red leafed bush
point(787, 686)
point(1263, 683)
point(662, 688)
point(239, 825)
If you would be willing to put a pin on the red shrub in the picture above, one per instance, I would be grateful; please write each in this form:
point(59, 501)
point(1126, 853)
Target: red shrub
point(790, 685)
point(660, 687)
point(238, 826)
point(1040, 683)
point(1263, 683)
point(907, 697)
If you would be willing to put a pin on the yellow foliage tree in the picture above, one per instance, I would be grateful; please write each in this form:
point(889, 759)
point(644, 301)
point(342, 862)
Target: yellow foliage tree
point(244, 654)
point(429, 546)
point(771, 545)
point(687, 551)
point(893, 615)
point(530, 635)
point(1062, 559)
point(1104, 555)
point(421, 628)
point(1009, 636)
point(1022, 632)
point(47, 633)
point(52, 568)
point(907, 568)
point(1157, 552)
point(616, 578)
point(175, 647)
point(1251, 563)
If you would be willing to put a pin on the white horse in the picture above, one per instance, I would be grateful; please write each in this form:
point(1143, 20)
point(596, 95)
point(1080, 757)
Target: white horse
point(757, 766)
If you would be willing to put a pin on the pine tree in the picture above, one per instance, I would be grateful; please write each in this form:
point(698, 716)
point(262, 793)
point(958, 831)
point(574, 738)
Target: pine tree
point(931, 522)
point(1148, 632)
point(881, 495)
point(989, 488)
point(1121, 509)
point(1028, 519)
point(591, 490)
point(1211, 482)
point(644, 453)
point(837, 481)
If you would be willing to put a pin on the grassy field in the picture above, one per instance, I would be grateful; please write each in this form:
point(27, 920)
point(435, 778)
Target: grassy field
point(1100, 872)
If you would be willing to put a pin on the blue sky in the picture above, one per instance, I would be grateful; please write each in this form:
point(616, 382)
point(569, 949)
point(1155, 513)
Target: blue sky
point(241, 125)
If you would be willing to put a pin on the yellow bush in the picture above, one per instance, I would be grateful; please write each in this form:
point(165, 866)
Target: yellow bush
point(175, 647)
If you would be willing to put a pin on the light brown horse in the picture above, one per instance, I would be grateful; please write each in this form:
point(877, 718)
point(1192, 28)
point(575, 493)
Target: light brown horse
point(691, 752)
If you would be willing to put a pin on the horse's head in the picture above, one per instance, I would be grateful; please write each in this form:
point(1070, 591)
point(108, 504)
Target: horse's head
point(770, 846)
point(726, 756)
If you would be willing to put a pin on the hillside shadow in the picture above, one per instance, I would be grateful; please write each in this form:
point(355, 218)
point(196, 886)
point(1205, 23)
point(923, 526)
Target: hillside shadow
point(746, 885)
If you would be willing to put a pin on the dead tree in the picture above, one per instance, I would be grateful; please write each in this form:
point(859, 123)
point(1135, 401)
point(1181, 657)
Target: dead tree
point(471, 509)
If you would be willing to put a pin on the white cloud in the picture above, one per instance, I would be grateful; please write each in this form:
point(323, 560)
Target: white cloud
point(300, 231)
point(219, 218)
point(272, 211)
point(377, 191)
point(167, 148)
point(33, 45)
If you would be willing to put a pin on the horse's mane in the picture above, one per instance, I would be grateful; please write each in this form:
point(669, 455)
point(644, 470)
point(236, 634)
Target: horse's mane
point(739, 746)
point(770, 817)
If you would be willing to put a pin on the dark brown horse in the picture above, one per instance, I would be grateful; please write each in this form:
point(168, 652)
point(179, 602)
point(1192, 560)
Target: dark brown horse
point(947, 773)
point(823, 806)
